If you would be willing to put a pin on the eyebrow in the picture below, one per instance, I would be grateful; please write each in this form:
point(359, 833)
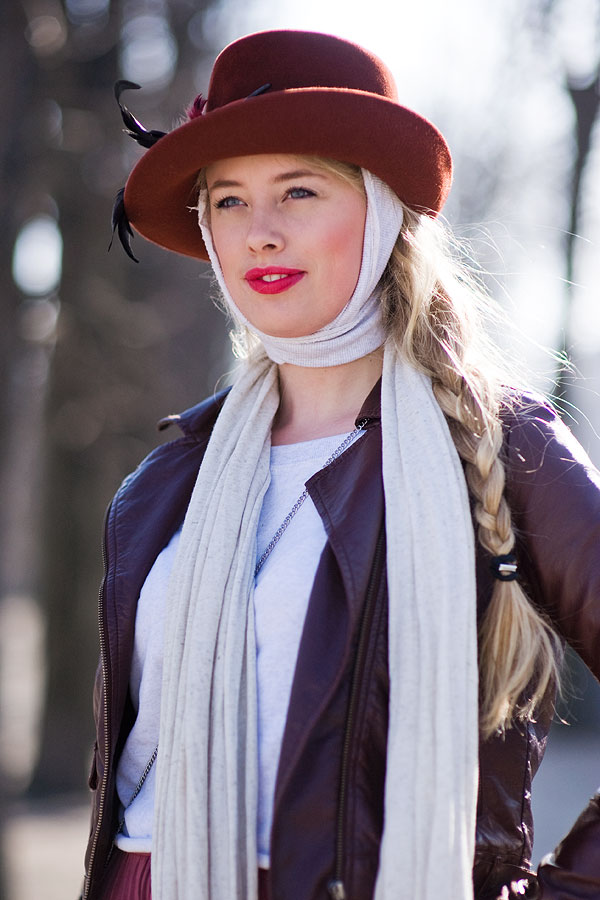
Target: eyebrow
point(285, 176)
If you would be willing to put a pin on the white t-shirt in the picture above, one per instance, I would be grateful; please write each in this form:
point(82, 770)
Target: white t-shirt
point(281, 595)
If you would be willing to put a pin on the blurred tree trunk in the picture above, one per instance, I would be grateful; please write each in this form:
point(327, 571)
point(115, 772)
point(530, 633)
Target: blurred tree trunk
point(134, 343)
point(543, 18)
point(16, 97)
point(585, 99)
point(20, 397)
point(73, 487)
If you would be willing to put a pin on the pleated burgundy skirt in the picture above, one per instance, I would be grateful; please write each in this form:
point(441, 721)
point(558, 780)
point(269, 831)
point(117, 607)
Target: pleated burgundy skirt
point(128, 878)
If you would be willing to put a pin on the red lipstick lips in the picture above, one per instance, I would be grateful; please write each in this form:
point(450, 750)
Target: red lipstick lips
point(273, 279)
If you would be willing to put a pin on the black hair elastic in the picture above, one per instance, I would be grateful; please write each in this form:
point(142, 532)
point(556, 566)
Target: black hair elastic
point(504, 568)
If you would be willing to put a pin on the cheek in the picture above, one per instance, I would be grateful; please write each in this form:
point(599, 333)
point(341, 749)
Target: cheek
point(344, 248)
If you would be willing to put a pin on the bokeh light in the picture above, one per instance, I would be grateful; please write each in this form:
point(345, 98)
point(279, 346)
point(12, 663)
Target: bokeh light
point(46, 34)
point(37, 256)
point(149, 51)
point(83, 12)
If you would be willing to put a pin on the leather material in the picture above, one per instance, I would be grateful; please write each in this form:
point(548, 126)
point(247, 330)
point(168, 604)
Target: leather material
point(574, 870)
point(554, 494)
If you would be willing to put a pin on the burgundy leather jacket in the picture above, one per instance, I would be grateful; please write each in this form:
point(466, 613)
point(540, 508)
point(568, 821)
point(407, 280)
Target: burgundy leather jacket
point(328, 813)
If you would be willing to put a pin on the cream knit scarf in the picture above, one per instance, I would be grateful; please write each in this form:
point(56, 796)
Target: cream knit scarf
point(204, 843)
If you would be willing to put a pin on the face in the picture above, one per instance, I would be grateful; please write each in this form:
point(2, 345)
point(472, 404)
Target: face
point(289, 238)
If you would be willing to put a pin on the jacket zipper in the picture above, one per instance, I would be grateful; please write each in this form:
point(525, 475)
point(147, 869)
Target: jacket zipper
point(104, 782)
point(336, 887)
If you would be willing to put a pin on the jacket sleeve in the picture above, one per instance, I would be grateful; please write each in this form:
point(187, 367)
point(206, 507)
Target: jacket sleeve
point(572, 872)
point(554, 493)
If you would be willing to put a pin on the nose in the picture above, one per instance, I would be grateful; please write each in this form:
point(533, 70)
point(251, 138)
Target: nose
point(264, 232)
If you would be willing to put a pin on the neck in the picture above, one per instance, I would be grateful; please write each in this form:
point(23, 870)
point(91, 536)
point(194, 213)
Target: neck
point(318, 402)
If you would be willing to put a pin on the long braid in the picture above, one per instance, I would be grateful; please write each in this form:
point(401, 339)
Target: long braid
point(433, 316)
point(516, 643)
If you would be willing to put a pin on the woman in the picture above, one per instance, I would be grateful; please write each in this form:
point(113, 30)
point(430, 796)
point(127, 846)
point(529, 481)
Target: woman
point(291, 680)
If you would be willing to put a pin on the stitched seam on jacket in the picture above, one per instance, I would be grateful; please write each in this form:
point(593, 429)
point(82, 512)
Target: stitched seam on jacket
point(363, 718)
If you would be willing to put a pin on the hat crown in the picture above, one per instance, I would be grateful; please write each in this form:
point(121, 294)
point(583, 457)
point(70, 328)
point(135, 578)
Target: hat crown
point(311, 94)
point(295, 59)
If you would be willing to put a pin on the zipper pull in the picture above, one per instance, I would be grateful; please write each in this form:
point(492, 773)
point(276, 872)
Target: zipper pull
point(336, 889)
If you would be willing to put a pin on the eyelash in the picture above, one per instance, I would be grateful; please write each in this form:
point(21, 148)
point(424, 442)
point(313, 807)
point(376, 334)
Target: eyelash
point(305, 191)
point(224, 202)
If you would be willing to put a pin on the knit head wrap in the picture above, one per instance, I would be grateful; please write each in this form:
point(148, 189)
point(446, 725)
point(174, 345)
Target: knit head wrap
point(358, 329)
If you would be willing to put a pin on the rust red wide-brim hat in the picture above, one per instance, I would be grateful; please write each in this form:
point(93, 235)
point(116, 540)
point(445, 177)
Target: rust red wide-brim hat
point(288, 92)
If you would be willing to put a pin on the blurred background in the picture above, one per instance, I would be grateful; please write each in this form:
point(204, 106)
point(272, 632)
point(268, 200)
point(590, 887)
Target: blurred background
point(94, 349)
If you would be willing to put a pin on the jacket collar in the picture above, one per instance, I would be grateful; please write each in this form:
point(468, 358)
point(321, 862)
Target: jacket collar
point(197, 421)
point(371, 408)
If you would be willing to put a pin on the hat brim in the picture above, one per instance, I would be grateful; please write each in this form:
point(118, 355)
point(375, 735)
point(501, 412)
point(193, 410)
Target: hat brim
point(393, 142)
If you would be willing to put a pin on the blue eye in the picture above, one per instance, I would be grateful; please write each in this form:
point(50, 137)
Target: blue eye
point(227, 203)
point(297, 193)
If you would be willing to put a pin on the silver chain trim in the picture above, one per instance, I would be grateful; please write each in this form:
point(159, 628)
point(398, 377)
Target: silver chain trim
point(138, 786)
point(298, 504)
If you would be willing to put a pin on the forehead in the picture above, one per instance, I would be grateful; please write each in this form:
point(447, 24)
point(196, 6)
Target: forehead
point(264, 167)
